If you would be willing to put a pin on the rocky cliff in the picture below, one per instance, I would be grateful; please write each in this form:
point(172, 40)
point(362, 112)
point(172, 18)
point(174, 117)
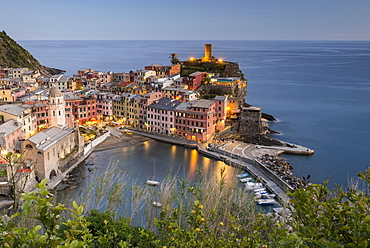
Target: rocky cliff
point(12, 55)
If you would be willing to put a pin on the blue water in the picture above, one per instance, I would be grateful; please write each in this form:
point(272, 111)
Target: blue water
point(318, 90)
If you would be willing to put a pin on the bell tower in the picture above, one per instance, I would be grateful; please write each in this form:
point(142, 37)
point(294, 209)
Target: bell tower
point(56, 107)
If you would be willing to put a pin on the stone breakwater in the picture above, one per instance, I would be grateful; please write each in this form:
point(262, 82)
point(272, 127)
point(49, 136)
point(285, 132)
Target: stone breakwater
point(282, 169)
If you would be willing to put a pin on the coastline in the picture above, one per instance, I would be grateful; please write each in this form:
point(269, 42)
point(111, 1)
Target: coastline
point(123, 140)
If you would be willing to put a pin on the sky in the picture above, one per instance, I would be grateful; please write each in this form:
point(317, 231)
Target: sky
point(186, 19)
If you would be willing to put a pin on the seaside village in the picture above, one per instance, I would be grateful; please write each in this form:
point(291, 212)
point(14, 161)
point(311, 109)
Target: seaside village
point(49, 121)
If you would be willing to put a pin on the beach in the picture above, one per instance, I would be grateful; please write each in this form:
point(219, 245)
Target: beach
point(122, 140)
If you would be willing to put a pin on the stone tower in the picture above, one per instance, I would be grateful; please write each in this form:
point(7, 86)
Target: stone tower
point(250, 120)
point(207, 53)
point(56, 107)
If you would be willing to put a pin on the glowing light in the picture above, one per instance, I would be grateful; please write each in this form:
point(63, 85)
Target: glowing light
point(193, 163)
point(4, 152)
point(220, 60)
point(192, 59)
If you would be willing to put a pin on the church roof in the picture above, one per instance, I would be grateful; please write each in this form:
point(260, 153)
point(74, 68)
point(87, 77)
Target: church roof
point(55, 92)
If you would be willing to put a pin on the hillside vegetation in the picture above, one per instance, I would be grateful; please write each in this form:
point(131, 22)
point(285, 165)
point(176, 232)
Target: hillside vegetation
point(12, 55)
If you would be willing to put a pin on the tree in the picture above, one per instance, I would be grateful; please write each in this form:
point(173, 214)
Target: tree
point(174, 59)
point(17, 172)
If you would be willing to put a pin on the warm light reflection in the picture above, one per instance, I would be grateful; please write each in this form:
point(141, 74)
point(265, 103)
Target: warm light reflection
point(146, 146)
point(193, 164)
point(173, 152)
point(229, 171)
point(206, 163)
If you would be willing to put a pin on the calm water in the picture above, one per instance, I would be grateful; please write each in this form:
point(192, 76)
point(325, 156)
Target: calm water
point(319, 91)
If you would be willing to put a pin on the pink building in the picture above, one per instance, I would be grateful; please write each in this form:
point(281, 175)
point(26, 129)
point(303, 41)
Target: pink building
point(41, 112)
point(196, 120)
point(195, 80)
point(221, 108)
point(10, 134)
point(106, 78)
point(161, 116)
point(104, 104)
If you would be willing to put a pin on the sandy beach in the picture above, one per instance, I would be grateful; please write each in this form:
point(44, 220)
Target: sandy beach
point(122, 141)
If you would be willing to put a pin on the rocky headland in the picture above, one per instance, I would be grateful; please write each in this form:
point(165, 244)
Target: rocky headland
point(12, 55)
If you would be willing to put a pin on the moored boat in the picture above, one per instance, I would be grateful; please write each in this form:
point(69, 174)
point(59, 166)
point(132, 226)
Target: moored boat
point(246, 179)
point(157, 204)
point(243, 175)
point(252, 185)
point(264, 196)
point(262, 192)
point(266, 202)
point(151, 182)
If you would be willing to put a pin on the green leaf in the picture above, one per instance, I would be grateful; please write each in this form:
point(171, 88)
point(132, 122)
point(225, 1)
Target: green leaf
point(367, 219)
point(26, 207)
point(363, 244)
point(75, 206)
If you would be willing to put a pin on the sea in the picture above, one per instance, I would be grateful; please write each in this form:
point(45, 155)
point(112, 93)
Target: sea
point(319, 91)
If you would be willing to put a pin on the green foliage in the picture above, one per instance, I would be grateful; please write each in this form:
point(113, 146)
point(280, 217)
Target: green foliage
point(112, 231)
point(38, 205)
point(324, 218)
point(13, 55)
point(319, 217)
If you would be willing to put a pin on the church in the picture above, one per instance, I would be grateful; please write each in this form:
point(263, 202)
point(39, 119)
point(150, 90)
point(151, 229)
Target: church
point(51, 150)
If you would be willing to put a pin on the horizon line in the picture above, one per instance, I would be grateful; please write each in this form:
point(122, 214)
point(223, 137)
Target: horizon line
point(189, 40)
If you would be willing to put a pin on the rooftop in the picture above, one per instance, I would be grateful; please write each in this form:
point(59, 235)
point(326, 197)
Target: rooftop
point(165, 104)
point(44, 139)
point(9, 127)
point(12, 109)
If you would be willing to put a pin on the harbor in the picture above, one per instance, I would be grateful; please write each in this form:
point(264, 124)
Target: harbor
point(240, 155)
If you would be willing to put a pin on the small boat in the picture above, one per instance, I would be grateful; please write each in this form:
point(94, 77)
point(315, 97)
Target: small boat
point(151, 182)
point(265, 196)
point(266, 202)
point(157, 204)
point(260, 190)
point(252, 185)
point(245, 179)
point(242, 175)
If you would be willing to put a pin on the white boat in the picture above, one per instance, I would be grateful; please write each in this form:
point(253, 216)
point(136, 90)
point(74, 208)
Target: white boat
point(243, 175)
point(157, 204)
point(252, 185)
point(151, 182)
point(260, 190)
point(264, 196)
point(245, 179)
point(266, 202)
